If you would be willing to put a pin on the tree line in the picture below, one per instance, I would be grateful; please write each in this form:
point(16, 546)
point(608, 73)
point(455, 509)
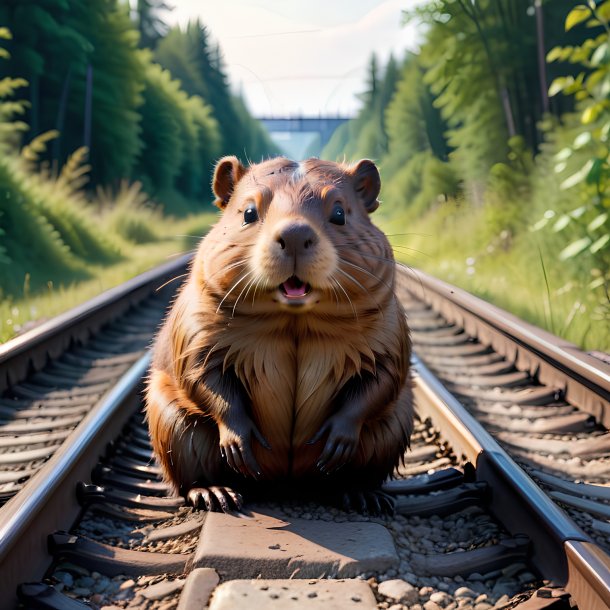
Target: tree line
point(149, 102)
point(109, 119)
point(505, 108)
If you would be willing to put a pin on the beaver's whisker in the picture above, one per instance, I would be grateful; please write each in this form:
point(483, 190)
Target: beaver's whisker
point(367, 272)
point(247, 289)
point(346, 295)
point(368, 255)
point(258, 281)
point(170, 281)
point(336, 295)
point(404, 266)
point(405, 234)
point(241, 262)
point(379, 258)
point(399, 247)
point(407, 251)
point(239, 281)
point(364, 288)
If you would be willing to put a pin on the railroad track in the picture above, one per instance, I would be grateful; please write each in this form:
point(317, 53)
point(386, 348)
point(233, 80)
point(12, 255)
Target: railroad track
point(471, 530)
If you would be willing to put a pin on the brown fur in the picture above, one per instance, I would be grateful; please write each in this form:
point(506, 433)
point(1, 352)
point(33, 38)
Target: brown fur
point(230, 352)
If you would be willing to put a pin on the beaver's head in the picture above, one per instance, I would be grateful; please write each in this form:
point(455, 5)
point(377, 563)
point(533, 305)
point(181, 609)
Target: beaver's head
point(296, 237)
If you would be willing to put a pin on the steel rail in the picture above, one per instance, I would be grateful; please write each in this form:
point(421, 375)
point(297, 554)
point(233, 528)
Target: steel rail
point(561, 551)
point(29, 352)
point(583, 379)
point(48, 502)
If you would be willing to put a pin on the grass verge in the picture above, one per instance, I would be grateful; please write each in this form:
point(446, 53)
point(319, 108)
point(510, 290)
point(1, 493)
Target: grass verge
point(519, 273)
point(18, 313)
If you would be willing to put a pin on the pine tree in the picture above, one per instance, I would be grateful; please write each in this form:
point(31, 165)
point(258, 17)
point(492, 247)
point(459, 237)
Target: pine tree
point(150, 22)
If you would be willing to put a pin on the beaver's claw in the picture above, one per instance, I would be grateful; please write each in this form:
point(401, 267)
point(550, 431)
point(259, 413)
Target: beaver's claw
point(215, 499)
point(341, 444)
point(373, 502)
point(236, 448)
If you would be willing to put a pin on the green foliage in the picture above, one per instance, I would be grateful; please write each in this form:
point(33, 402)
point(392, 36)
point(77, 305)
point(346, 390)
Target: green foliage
point(367, 135)
point(190, 57)
point(583, 165)
point(455, 56)
point(78, 55)
point(423, 182)
point(148, 16)
point(130, 214)
point(32, 245)
point(10, 129)
point(413, 122)
point(98, 111)
point(476, 154)
point(180, 136)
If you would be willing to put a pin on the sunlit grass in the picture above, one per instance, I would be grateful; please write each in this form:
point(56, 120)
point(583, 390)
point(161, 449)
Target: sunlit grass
point(174, 238)
point(519, 274)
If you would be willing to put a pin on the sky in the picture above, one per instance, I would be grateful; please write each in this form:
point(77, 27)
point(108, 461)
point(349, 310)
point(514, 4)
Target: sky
point(301, 57)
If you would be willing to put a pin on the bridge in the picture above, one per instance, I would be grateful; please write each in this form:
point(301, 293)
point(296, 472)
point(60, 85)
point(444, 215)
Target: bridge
point(321, 127)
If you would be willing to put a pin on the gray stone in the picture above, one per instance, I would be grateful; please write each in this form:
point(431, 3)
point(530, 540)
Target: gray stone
point(198, 588)
point(86, 582)
point(162, 589)
point(296, 594)
point(399, 590)
point(526, 577)
point(265, 544)
point(465, 592)
point(439, 597)
point(505, 588)
point(101, 585)
point(64, 578)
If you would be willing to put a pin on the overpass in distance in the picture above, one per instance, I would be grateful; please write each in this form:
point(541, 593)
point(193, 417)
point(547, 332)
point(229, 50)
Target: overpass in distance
point(322, 128)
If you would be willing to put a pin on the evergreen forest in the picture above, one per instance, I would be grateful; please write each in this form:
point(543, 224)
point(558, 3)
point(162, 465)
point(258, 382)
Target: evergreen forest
point(110, 121)
point(493, 142)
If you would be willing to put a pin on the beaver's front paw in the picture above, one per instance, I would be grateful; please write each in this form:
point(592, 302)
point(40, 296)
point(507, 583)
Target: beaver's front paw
point(341, 444)
point(215, 499)
point(236, 447)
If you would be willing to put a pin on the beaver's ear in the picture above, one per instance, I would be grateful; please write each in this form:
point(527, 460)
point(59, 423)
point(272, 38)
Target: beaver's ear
point(367, 183)
point(229, 171)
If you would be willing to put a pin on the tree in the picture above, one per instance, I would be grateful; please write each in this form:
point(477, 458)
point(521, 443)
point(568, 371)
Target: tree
point(150, 24)
point(190, 56)
point(78, 56)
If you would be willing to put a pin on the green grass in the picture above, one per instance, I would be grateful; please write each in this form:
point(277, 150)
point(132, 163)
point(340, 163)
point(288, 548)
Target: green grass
point(20, 312)
point(516, 271)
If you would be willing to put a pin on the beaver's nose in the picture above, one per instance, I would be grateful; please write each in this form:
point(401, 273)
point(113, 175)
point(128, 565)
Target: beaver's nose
point(296, 237)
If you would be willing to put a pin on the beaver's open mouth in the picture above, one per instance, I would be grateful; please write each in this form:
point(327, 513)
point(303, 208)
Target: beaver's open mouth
point(294, 288)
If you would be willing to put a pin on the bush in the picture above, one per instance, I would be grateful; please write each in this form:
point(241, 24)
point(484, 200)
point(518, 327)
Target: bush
point(131, 214)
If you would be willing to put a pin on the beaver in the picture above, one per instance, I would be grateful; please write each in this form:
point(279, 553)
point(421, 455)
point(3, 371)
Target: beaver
point(285, 356)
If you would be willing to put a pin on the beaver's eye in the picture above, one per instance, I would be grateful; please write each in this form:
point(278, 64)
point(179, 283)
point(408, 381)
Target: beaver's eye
point(250, 214)
point(337, 216)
